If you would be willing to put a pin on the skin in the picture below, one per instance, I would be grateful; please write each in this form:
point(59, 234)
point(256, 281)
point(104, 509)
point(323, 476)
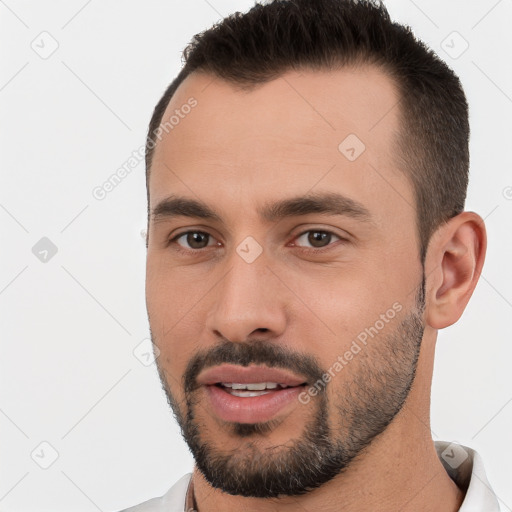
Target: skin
point(237, 150)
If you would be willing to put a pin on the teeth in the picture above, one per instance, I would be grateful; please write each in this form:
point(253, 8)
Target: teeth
point(248, 393)
point(256, 386)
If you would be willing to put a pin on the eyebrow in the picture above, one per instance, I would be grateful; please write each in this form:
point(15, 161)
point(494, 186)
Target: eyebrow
point(330, 203)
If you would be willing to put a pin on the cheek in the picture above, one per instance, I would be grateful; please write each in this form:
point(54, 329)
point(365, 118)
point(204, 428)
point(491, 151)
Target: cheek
point(347, 315)
point(164, 298)
point(177, 342)
point(172, 293)
point(340, 301)
point(173, 360)
point(169, 322)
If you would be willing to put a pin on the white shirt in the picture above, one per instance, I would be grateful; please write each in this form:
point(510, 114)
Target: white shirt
point(464, 466)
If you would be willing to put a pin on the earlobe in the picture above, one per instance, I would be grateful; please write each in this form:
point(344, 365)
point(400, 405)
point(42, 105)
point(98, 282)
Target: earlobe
point(453, 265)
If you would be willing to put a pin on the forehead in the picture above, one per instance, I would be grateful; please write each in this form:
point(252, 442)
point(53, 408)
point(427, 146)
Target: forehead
point(332, 130)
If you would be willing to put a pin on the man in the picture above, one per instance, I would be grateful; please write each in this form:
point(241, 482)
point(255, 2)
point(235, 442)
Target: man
point(306, 177)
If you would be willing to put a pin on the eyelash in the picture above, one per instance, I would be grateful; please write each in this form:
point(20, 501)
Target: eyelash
point(182, 250)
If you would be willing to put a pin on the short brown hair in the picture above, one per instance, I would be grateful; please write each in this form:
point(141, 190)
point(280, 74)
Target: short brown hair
point(251, 48)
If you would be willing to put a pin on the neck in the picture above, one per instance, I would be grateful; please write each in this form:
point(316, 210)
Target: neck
point(399, 470)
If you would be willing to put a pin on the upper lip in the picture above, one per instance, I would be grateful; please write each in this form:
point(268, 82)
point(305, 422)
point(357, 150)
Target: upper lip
point(248, 375)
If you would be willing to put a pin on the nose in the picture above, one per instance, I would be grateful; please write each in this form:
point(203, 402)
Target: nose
point(249, 300)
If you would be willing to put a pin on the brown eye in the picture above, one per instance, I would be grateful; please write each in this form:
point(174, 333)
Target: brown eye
point(194, 239)
point(318, 239)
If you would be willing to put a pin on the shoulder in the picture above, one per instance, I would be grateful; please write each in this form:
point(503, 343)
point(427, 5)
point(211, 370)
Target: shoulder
point(172, 501)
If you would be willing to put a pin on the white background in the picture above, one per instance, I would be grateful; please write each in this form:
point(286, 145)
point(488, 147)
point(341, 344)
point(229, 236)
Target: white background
point(70, 325)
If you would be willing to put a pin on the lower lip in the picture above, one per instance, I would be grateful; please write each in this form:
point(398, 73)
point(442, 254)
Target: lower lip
point(254, 409)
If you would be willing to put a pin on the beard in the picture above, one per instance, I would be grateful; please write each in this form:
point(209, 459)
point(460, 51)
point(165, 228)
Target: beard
point(364, 407)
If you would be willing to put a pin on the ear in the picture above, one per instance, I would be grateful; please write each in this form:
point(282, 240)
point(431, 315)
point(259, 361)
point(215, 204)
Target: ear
point(453, 264)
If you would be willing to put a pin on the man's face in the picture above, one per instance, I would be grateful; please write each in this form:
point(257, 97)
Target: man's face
point(327, 303)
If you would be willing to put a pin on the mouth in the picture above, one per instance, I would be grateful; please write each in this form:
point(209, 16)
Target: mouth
point(250, 394)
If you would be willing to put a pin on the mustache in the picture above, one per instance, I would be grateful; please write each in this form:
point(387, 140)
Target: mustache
point(258, 352)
